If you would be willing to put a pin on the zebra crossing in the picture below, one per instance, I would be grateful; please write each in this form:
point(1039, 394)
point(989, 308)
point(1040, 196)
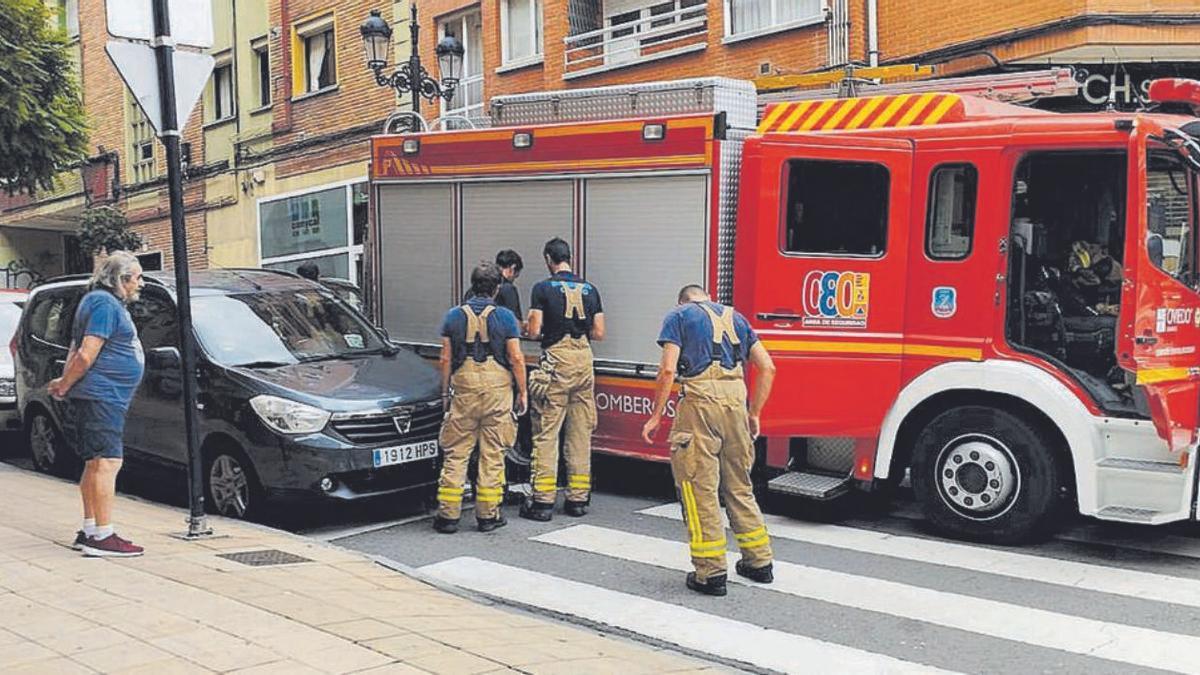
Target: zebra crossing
point(848, 599)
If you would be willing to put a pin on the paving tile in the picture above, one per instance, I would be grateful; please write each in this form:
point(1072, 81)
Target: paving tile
point(122, 657)
point(24, 653)
point(394, 669)
point(363, 629)
point(71, 642)
point(281, 667)
point(405, 647)
point(61, 666)
point(453, 661)
point(512, 654)
point(346, 658)
point(171, 667)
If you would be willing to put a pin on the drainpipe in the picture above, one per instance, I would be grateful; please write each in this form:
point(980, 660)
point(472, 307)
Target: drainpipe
point(873, 32)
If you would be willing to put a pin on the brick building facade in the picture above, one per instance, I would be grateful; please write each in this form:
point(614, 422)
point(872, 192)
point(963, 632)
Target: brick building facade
point(279, 143)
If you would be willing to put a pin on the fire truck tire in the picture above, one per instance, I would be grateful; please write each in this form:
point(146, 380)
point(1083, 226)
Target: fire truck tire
point(986, 474)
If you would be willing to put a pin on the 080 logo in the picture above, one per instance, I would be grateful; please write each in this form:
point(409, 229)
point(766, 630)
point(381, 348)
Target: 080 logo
point(836, 299)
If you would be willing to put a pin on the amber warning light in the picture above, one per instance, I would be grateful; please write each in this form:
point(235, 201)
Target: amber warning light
point(1175, 90)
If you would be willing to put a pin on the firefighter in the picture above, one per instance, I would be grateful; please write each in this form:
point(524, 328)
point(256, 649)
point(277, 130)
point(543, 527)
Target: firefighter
point(510, 264)
point(566, 315)
point(712, 439)
point(481, 357)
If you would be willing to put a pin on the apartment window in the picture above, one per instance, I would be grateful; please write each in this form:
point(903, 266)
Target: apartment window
point(222, 92)
point(314, 59)
point(950, 223)
point(752, 16)
point(262, 72)
point(673, 9)
point(468, 97)
point(141, 142)
point(836, 208)
point(522, 30)
point(67, 15)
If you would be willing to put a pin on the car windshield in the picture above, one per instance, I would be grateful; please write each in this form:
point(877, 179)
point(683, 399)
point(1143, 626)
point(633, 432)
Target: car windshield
point(280, 328)
point(10, 315)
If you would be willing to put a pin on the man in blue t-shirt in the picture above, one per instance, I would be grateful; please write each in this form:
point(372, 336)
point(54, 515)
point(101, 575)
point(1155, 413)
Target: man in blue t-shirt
point(102, 373)
point(712, 439)
point(481, 356)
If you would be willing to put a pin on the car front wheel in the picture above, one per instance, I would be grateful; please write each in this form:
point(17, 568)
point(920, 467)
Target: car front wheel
point(231, 485)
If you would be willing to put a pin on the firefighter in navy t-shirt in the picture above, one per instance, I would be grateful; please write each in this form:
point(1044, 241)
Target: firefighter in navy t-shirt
point(712, 439)
point(566, 314)
point(481, 355)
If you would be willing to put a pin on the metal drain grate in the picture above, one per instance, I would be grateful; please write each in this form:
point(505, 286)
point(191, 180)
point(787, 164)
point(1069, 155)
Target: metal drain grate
point(263, 558)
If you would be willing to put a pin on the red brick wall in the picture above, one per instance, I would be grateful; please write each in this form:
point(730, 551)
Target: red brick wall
point(911, 27)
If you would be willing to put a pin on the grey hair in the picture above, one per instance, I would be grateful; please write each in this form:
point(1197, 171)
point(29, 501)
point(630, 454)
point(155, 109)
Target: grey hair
point(112, 270)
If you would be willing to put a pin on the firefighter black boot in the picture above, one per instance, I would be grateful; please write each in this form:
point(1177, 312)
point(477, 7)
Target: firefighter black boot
point(489, 524)
point(763, 575)
point(575, 509)
point(445, 525)
point(537, 511)
point(710, 586)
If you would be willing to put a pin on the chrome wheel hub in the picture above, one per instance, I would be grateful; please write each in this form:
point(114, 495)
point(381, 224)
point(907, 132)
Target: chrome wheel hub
point(978, 477)
point(229, 486)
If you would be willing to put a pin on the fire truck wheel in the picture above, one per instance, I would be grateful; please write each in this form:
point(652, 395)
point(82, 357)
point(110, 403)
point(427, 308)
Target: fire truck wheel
point(984, 473)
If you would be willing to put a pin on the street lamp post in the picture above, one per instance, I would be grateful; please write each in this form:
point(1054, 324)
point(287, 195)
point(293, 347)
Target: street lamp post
point(411, 76)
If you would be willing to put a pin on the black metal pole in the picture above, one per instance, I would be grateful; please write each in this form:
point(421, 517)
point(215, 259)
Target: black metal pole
point(414, 58)
point(164, 53)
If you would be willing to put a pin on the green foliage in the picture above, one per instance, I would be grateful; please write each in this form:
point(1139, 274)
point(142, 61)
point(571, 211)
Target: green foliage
point(105, 229)
point(43, 128)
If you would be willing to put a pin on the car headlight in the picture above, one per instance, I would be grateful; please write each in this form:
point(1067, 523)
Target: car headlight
point(289, 417)
point(8, 388)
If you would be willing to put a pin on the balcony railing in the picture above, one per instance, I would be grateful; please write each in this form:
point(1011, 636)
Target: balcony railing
point(651, 37)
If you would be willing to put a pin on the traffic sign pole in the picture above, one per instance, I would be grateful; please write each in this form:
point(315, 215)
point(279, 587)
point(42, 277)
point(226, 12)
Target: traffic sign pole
point(164, 52)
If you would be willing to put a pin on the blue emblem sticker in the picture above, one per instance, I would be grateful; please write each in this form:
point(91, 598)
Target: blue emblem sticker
point(945, 302)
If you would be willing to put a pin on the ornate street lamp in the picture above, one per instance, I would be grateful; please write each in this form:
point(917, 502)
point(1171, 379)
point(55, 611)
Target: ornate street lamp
point(411, 76)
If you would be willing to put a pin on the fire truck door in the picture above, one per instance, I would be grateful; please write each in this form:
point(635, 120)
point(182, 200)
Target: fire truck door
point(1159, 330)
point(829, 288)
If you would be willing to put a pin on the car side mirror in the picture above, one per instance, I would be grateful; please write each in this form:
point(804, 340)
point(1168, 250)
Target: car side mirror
point(164, 358)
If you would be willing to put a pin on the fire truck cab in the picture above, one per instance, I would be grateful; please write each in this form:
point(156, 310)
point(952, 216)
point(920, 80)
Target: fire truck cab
point(999, 302)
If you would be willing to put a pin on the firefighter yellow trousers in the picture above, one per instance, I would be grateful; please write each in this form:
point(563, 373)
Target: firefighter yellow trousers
point(711, 451)
point(563, 393)
point(480, 413)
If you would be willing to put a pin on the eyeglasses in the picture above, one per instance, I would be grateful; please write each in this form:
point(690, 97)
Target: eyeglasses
point(131, 277)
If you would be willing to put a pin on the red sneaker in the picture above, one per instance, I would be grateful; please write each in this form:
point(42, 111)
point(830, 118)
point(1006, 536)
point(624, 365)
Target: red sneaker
point(111, 546)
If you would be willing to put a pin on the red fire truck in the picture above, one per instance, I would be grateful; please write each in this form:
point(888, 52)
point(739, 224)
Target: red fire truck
point(998, 301)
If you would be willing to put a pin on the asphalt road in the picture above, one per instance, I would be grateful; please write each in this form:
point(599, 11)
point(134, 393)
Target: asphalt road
point(859, 586)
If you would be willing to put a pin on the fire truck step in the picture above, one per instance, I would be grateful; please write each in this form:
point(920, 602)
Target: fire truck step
point(1150, 465)
point(1127, 514)
point(809, 485)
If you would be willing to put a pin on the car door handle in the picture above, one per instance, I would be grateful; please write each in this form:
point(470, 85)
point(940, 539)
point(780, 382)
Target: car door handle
point(1146, 340)
point(777, 317)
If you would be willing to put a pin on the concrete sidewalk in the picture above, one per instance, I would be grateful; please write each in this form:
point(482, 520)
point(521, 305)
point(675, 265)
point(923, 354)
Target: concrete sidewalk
point(184, 609)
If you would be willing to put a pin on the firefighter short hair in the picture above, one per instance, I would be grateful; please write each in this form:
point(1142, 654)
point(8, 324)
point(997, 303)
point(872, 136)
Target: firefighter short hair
point(485, 279)
point(692, 293)
point(557, 250)
point(509, 258)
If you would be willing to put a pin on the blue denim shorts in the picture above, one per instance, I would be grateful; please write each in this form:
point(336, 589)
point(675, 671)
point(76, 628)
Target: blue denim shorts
point(99, 429)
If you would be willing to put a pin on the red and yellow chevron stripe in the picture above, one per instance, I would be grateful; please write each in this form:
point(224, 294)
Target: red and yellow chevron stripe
point(872, 112)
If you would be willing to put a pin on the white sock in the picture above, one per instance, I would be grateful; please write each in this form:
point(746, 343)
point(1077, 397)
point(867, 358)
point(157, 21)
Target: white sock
point(89, 527)
point(103, 532)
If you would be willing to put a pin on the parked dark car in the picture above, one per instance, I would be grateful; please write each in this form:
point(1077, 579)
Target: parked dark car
point(299, 395)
